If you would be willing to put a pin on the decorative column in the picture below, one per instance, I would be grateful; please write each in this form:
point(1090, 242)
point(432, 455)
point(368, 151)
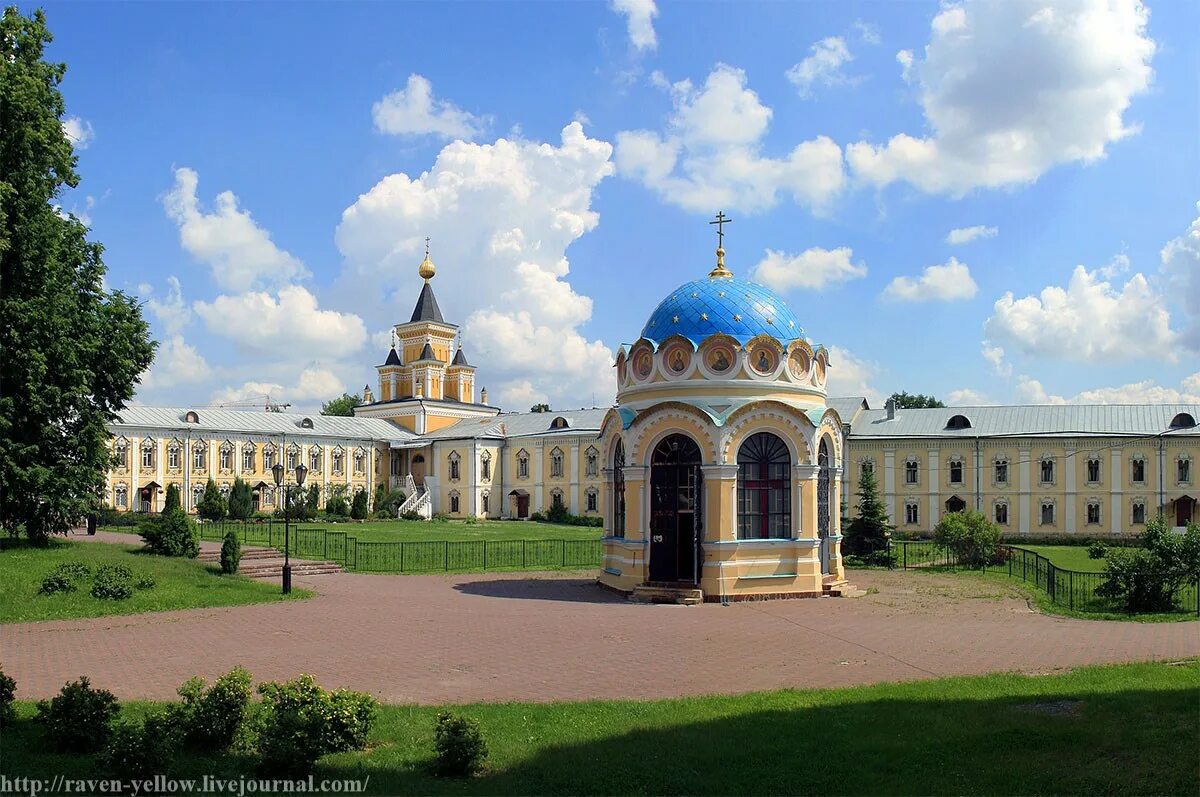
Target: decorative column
point(472, 482)
point(889, 480)
point(720, 502)
point(935, 484)
point(804, 504)
point(135, 462)
point(537, 477)
point(1116, 478)
point(573, 479)
point(1069, 473)
point(1024, 466)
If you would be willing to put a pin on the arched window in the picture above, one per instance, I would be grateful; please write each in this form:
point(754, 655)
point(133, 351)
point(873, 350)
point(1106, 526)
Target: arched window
point(592, 500)
point(824, 489)
point(121, 452)
point(1093, 470)
point(1001, 513)
point(618, 477)
point(556, 463)
point(1047, 470)
point(592, 457)
point(199, 454)
point(1137, 469)
point(1000, 470)
point(455, 470)
point(174, 453)
point(306, 423)
point(559, 423)
point(226, 457)
point(360, 461)
point(454, 503)
point(485, 501)
point(314, 459)
point(191, 417)
point(1183, 420)
point(339, 461)
point(248, 452)
point(556, 497)
point(522, 464)
point(1183, 469)
point(1138, 513)
point(764, 488)
point(268, 457)
point(956, 471)
point(293, 457)
point(958, 422)
point(912, 471)
point(149, 447)
point(485, 466)
point(866, 466)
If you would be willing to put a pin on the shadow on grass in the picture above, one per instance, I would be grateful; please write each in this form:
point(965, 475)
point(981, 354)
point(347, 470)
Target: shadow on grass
point(572, 590)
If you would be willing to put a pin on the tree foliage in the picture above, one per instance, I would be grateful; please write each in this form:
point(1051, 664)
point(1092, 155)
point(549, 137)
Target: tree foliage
point(915, 401)
point(970, 536)
point(343, 405)
point(171, 501)
point(540, 408)
point(212, 503)
point(358, 509)
point(1150, 578)
point(241, 500)
point(70, 350)
point(867, 536)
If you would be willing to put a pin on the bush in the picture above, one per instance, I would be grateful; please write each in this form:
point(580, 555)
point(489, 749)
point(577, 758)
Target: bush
point(210, 719)
point(231, 552)
point(459, 746)
point(301, 722)
point(141, 750)
point(558, 511)
point(171, 500)
point(65, 577)
point(8, 692)
point(359, 509)
point(538, 517)
point(212, 503)
point(1097, 550)
point(172, 534)
point(970, 536)
point(411, 514)
point(241, 501)
point(336, 505)
point(144, 581)
point(1149, 579)
point(112, 583)
point(79, 718)
point(110, 516)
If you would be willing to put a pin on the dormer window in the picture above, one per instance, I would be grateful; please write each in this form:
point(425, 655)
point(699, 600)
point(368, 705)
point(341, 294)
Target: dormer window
point(559, 423)
point(1183, 420)
point(191, 417)
point(306, 423)
point(959, 422)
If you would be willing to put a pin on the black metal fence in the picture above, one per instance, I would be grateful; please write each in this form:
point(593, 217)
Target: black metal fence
point(1074, 589)
point(413, 556)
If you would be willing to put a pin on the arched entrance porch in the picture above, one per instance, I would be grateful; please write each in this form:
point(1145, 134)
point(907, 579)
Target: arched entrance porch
point(520, 504)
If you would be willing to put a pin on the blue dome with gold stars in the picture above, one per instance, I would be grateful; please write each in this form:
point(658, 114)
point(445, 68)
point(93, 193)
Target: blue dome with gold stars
point(736, 307)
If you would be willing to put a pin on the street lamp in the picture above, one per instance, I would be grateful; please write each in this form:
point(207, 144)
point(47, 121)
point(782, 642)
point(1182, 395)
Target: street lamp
point(301, 473)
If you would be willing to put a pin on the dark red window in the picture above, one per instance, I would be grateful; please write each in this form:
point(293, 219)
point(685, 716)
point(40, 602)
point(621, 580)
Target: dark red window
point(764, 488)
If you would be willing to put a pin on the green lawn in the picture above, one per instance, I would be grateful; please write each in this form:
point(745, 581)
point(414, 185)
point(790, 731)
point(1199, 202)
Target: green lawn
point(1071, 557)
point(180, 583)
point(439, 530)
point(1130, 729)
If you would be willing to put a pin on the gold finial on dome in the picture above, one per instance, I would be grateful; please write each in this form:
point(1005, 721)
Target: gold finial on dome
point(720, 270)
point(426, 269)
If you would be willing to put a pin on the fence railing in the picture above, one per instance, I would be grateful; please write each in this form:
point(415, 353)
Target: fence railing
point(413, 556)
point(1074, 589)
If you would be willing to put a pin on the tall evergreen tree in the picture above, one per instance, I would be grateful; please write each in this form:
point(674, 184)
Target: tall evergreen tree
point(312, 503)
point(868, 534)
point(241, 502)
point(70, 351)
point(358, 509)
point(171, 501)
point(212, 503)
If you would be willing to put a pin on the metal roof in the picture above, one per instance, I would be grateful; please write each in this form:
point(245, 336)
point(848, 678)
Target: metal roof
point(737, 307)
point(847, 407)
point(523, 424)
point(264, 423)
point(427, 307)
point(1042, 420)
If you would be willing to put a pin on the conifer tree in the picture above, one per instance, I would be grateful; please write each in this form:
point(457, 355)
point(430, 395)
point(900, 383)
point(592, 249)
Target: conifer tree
point(241, 502)
point(358, 510)
point(171, 501)
point(868, 534)
point(313, 500)
point(212, 505)
point(70, 350)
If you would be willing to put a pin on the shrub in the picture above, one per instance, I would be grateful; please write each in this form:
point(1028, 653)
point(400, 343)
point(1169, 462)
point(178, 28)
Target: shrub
point(411, 514)
point(359, 509)
point(65, 577)
point(1149, 579)
point(312, 500)
point(538, 517)
point(241, 501)
point(970, 536)
point(231, 552)
point(210, 719)
point(336, 505)
point(79, 718)
point(141, 750)
point(171, 500)
point(173, 534)
point(459, 746)
point(301, 722)
point(212, 503)
point(144, 581)
point(112, 583)
point(8, 692)
point(111, 516)
point(1097, 549)
point(558, 511)
point(388, 506)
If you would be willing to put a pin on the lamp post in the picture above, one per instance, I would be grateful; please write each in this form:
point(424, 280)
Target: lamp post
point(301, 474)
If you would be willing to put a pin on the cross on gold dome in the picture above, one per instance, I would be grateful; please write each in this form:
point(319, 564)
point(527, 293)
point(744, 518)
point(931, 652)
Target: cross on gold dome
point(426, 269)
point(720, 271)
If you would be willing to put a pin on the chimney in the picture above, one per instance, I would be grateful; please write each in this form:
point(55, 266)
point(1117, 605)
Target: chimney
point(483, 396)
point(890, 408)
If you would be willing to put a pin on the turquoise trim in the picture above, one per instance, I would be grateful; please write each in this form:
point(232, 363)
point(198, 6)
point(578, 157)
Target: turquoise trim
point(627, 416)
point(773, 575)
point(612, 571)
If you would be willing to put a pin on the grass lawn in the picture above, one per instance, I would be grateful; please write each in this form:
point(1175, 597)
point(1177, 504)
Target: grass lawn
point(180, 583)
point(1071, 557)
point(1130, 729)
point(439, 530)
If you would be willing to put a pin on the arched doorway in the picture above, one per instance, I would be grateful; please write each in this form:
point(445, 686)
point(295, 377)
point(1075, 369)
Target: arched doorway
point(955, 504)
point(520, 504)
point(1184, 507)
point(417, 469)
point(676, 519)
point(824, 499)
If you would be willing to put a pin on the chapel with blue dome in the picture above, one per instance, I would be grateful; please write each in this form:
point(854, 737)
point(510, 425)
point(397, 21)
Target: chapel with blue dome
point(736, 307)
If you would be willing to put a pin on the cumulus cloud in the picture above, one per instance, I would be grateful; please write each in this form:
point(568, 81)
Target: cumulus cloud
point(813, 269)
point(519, 394)
point(313, 385)
point(1031, 391)
point(290, 322)
point(639, 20)
point(995, 356)
point(945, 283)
point(172, 312)
point(1181, 272)
point(867, 31)
point(176, 363)
point(964, 235)
point(710, 155)
point(501, 217)
point(1090, 320)
point(822, 67)
point(966, 397)
point(850, 375)
point(413, 110)
point(80, 131)
point(240, 253)
point(1011, 89)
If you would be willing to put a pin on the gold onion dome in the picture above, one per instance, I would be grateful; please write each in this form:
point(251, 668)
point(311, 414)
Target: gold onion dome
point(426, 269)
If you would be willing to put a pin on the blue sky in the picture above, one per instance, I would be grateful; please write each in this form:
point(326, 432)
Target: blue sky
point(263, 176)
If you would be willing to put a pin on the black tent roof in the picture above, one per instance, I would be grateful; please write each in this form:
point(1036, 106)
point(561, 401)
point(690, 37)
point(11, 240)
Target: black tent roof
point(427, 307)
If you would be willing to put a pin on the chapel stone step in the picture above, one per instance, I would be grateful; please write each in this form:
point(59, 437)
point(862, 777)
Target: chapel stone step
point(655, 592)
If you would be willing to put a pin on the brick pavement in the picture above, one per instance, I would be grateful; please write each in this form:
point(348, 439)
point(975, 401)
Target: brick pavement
point(494, 637)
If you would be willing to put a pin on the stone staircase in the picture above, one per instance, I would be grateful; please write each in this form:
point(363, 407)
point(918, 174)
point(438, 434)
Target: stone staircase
point(667, 592)
point(834, 587)
point(268, 563)
point(418, 500)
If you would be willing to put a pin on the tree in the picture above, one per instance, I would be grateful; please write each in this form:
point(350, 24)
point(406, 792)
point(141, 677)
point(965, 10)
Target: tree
point(212, 503)
point(915, 401)
point(540, 408)
point(970, 536)
point(344, 405)
point(171, 501)
point(231, 553)
point(171, 534)
point(358, 510)
point(336, 505)
point(241, 501)
point(70, 350)
point(312, 502)
point(1149, 579)
point(867, 535)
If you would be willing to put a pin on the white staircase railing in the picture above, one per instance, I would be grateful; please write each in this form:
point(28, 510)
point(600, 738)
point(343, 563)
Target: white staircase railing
point(418, 500)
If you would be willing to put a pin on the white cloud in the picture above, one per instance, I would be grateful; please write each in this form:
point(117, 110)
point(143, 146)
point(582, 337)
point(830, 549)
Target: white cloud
point(413, 110)
point(639, 20)
point(1090, 321)
point(290, 323)
point(501, 217)
point(176, 363)
point(80, 131)
point(966, 397)
point(1011, 89)
point(314, 385)
point(964, 235)
point(813, 269)
point(995, 356)
point(711, 153)
point(240, 253)
point(823, 67)
point(1031, 391)
point(852, 376)
point(945, 283)
point(867, 31)
point(518, 395)
point(172, 312)
point(1181, 271)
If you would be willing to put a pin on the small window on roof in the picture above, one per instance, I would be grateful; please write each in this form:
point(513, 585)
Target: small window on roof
point(959, 422)
point(191, 417)
point(559, 423)
point(306, 423)
point(1183, 420)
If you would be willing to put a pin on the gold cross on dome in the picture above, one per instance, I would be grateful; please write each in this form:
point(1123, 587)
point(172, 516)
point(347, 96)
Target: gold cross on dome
point(721, 220)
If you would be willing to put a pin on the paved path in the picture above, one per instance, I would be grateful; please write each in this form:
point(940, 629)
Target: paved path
point(492, 637)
